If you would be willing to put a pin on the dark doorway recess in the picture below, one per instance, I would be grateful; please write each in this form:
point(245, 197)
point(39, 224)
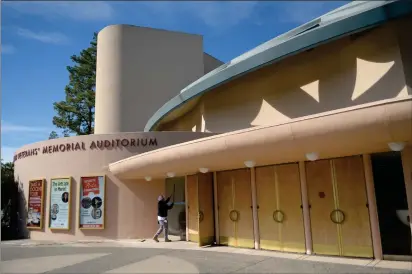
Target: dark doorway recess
point(391, 203)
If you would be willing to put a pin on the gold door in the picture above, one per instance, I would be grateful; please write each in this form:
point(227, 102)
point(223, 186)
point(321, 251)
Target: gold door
point(322, 202)
point(355, 233)
point(243, 204)
point(279, 206)
point(225, 191)
point(290, 202)
point(269, 230)
point(206, 216)
point(339, 214)
point(193, 209)
point(235, 208)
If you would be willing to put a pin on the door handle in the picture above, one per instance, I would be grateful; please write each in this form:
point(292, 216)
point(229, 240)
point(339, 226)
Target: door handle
point(201, 216)
point(336, 213)
point(234, 215)
point(278, 216)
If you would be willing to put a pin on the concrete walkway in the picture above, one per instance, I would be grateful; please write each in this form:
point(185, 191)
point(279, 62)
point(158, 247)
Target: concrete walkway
point(147, 256)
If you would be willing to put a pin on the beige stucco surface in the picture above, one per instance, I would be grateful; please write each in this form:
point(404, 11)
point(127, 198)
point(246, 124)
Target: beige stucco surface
point(353, 71)
point(130, 204)
point(351, 131)
point(138, 70)
point(348, 97)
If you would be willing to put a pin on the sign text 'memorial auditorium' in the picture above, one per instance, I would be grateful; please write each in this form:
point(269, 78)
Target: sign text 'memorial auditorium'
point(81, 146)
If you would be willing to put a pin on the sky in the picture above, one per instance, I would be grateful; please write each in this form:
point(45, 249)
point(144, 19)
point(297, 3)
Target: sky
point(38, 38)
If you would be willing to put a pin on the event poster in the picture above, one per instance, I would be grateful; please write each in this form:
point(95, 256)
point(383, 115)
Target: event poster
point(92, 191)
point(35, 204)
point(60, 195)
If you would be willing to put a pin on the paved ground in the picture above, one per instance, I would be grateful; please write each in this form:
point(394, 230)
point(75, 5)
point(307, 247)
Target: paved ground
point(149, 257)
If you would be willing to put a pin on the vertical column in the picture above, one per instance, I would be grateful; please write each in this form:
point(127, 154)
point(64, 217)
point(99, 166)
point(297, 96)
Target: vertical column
point(407, 174)
point(215, 201)
point(254, 209)
point(187, 210)
point(305, 207)
point(373, 211)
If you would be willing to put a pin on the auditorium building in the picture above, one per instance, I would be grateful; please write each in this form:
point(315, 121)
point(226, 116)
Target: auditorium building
point(302, 144)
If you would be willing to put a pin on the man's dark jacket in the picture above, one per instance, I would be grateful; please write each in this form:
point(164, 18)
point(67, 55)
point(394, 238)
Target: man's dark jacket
point(163, 207)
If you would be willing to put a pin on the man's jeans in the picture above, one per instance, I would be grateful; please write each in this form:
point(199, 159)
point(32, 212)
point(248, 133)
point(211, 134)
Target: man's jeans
point(163, 225)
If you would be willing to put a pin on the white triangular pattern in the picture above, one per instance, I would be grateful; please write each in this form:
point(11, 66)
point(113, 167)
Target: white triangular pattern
point(368, 74)
point(203, 125)
point(403, 93)
point(312, 89)
point(267, 114)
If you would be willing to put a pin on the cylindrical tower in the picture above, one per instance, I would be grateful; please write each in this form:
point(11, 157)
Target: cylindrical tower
point(138, 70)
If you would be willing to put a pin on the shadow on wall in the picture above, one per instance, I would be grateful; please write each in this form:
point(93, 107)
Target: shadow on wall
point(112, 220)
point(353, 71)
point(14, 215)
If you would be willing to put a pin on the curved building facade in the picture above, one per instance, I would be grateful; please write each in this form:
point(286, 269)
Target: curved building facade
point(303, 144)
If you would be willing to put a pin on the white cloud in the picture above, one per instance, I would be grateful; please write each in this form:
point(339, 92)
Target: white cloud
point(45, 37)
point(222, 14)
point(79, 11)
point(12, 128)
point(7, 49)
point(7, 153)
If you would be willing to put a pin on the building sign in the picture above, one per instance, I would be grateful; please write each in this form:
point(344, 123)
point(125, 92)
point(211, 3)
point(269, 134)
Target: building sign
point(60, 197)
point(92, 145)
point(35, 204)
point(92, 202)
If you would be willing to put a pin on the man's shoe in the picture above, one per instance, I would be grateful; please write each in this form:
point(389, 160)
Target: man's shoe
point(156, 239)
point(167, 240)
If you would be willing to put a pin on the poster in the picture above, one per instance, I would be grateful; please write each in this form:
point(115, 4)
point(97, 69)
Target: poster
point(92, 203)
point(60, 195)
point(35, 204)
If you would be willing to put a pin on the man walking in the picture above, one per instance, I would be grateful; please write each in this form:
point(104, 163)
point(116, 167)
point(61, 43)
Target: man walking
point(162, 208)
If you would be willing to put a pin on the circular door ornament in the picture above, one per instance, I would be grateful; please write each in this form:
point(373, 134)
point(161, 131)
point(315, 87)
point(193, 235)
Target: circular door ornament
point(337, 216)
point(278, 216)
point(201, 216)
point(234, 215)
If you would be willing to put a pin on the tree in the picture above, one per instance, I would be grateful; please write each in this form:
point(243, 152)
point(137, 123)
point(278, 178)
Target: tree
point(76, 113)
point(53, 135)
point(13, 205)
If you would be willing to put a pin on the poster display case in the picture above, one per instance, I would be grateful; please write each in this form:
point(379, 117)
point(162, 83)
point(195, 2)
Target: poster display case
point(92, 202)
point(35, 203)
point(60, 200)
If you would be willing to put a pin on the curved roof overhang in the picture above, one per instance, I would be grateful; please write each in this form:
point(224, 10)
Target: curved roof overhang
point(362, 129)
point(351, 18)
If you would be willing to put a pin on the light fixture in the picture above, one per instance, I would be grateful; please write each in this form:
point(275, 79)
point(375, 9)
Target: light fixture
point(396, 146)
point(249, 164)
point(312, 156)
point(203, 169)
point(148, 178)
point(170, 174)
